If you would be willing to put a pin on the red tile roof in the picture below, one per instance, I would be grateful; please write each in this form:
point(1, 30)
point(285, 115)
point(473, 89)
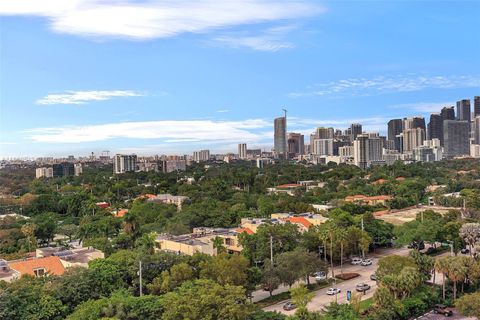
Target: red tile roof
point(120, 213)
point(246, 230)
point(299, 220)
point(51, 264)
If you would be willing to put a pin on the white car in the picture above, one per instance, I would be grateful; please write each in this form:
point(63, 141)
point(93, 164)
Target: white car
point(356, 261)
point(366, 262)
point(333, 291)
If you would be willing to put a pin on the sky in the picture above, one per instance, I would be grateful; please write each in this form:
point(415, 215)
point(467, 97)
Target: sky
point(174, 76)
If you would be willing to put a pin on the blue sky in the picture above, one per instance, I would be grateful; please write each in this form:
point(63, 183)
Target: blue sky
point(165, 77)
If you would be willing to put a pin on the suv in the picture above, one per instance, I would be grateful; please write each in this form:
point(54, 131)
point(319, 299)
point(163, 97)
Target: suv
point(366, 262)
point(442, 309)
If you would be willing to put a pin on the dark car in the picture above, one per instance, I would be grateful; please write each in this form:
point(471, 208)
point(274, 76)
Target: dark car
point(417, 245)
point(289, 306)
point(442, 309)
point(465, 251)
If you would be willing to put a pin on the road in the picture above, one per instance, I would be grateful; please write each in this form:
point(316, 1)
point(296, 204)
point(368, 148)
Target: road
point(321, 299)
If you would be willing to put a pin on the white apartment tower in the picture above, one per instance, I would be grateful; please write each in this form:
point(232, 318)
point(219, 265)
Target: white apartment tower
point(124, 163)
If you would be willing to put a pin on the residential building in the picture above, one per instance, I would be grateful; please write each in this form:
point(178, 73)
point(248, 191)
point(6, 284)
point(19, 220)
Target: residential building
point(201, 156)
point(77, 257)
point(44, 173)
point(476, 129)
point(124, 163)
point(167, 199)
point(346, 151)
point(323, 147)
point(37, 267)
point(448, 113)
point(262, 162)
point(413, 123)
point(456, 136)
point(242, 151)
point(173, 165)
point(367, 150)
point(475, 150)
point(280, 137)
point(435, 127)
point(413, 138)
point(374, 200)
point(78, 169)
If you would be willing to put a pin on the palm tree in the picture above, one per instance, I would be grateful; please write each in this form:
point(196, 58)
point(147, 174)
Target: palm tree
point(441, 266)
point(218, 244)
point(457, 271)
point(470, 232)
point(342, 236)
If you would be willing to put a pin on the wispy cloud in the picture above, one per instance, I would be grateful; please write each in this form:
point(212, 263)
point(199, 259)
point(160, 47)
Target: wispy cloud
point(82, 97)
point(155, 19)
point(269, 40)
point(384, 84)
point(167, 131)
point(223, 110)
point(427, 107)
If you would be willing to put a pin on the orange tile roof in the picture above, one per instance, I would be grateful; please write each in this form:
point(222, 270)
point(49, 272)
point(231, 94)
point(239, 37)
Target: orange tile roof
point(121, 213)
point(380, 198)
point(246, 230)
point(379, 181)
point(299, 220)
point(52, 265)
point(289, 185)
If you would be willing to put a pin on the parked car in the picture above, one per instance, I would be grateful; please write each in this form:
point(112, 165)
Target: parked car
point(373, 277)
point(333, 291)
point(356, 261)
point(442, 309)
point(362, 287)
point(418, 245)
point(289, 306)
point(465, 251)
point(366, 262)
point(320, 276)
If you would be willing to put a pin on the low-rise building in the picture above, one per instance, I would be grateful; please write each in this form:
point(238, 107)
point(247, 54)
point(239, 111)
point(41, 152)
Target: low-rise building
point(373, 200)
point(168, 199)
point(78, 257)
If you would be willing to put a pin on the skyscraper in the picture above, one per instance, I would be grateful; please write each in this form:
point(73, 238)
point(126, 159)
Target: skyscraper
point(456, 135)
point(280, 137)
point(463, 111)
point(355, 130)
point(476, 106)
point(476, 130)
point(413, 123)
point(435, 127)
point(448, 113)
point(296, 143)
point(395, 127)
point(367, 149)
point(242, 151)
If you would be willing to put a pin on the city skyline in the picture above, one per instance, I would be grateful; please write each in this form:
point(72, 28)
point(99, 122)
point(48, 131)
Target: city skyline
point(161, 87)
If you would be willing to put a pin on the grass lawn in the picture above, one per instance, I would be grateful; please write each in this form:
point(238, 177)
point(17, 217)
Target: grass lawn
point(365, 304)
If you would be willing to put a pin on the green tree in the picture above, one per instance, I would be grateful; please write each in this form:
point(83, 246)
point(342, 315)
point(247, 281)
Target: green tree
point(469, 305)
point(226, 269)
point(271, 278)
point(301, 296)
point(171, 279)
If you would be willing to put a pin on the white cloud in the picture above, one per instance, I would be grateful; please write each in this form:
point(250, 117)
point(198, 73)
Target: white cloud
point(383, 84)
point(223, 110)
point(81, 97)
point(428, 107)
point(168, 131)
point(155, 18)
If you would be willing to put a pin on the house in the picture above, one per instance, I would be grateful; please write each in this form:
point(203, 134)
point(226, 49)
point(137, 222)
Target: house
point(303, 220)
point(103, 205)
point(78, 257)
point(120, 213)
point(169, 199)
point(288, 188)
point(37, 267)
point(372, 201)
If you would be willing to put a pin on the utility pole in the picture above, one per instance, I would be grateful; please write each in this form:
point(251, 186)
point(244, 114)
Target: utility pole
point(140, 276)
point(271, 249)
point(363, 250)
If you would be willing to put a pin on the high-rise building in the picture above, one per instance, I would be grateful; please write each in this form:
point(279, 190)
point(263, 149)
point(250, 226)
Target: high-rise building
point(448, 113)
point(464, 111)
point(413, 138)
point(456, 135)
point(476, 130)
point(78, 169)
point(172, 165)
point(124, 163)
point(296, 143)
point(435, 127)
point(476, 106)
point(355, 130)
point(395, 127)
point(44, 173)
point(367, 149)
point(242, 151)
point(280, 137)
point(201, 156)
point(323, 147)
point(413, 123)
point(64, 169)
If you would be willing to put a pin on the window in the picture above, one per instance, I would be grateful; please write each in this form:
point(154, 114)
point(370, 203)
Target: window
point(39, 272)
